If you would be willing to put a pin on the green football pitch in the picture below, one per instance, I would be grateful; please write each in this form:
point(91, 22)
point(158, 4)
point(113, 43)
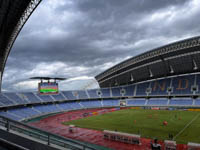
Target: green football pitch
point(183, 125)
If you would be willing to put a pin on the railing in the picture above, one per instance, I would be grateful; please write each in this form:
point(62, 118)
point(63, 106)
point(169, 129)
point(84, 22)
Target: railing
point(49, 138)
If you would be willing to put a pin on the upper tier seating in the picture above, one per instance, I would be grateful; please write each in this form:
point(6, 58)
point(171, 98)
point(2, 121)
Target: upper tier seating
point(94, 93)
point(30, 97)
point(45, 98)
point(176, 86)
point(142, 89)
point(105, 93)
point(69, 95)
point(82, 94)
point(183, 85)
point(116, 92)
point(58, 97)
point(5, 101)
point(159, 87)
point(14, 97)
point(129, 90)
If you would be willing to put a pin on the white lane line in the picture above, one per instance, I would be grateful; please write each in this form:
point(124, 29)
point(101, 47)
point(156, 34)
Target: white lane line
point(187, 125)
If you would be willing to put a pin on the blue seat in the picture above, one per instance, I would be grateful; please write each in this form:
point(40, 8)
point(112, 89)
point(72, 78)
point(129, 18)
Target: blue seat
point(181, 101)
point(105, 92)
point(30, 97)
point(45, 98)
point(93, 93)
point(136, 102)
point(65, 106)
point(91, 103)
point(141, 89)
point(116, 91)
point(159, 87)
point(129, 90)
point(157, 101)
point(110, 102)
point(11, 116)
point(5, 101)
point(69, 95)
point(14, 97)
point(182, 85)
point(82, 94)
point(197, 102)
point(58, 97)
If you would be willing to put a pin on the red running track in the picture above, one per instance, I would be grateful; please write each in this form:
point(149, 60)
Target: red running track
point(54, 125)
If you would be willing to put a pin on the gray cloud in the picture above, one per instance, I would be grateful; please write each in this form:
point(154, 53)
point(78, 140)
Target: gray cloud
point(94, 35)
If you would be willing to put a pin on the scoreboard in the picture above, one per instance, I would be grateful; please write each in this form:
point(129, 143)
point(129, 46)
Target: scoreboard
point(48, 88)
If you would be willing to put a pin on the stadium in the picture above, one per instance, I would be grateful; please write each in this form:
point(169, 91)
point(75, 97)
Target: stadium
point(154, 95)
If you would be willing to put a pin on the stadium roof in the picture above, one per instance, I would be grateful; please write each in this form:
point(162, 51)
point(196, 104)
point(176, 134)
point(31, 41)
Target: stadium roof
point(13, 16)
point(47, 78)
point(173, 59)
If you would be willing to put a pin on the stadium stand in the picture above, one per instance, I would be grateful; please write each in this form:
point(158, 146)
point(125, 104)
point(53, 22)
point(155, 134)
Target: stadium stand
point(69, 95)
point(159, 87)
point(45, 98)
point(197, 102)
point(142, 89)
point(58, 97)
point(129, 90)
point(65, 106)
point(75, 105)
point(82, 94)
point(136, 102)
point(30, 97)
point(47, 108)
point(181, 101)
point(110, 103)
point(105, 93)
point(157, 101)
point(116, 92)
point(16, 98)
point(5, 101)
point(94, 93)
point(182, 85)
point(11, 116)
point(91, 104)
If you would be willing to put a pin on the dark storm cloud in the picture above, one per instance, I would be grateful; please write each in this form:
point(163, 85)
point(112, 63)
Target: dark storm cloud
point(89, 36)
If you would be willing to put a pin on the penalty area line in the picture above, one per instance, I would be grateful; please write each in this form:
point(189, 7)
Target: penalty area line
point(187, 125)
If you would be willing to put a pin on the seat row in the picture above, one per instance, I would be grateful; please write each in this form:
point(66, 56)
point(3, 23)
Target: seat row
point(176, 86)
point(28, 112)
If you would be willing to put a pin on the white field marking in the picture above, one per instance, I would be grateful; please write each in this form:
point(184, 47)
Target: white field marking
point(189, 123)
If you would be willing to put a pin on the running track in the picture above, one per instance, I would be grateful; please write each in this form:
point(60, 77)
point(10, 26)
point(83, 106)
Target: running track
point(54, 125)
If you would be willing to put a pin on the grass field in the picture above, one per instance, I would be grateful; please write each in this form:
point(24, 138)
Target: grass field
point(184, 125)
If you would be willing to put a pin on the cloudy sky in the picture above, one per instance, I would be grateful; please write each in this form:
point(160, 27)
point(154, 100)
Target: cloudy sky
point(79, 39)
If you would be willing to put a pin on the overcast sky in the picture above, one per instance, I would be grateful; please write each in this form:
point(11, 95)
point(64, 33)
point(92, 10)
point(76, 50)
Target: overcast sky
point(79, 39)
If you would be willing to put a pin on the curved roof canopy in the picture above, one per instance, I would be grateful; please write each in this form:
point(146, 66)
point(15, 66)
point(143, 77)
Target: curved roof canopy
point(47, 78)
point(13, 16)
point(173, 59)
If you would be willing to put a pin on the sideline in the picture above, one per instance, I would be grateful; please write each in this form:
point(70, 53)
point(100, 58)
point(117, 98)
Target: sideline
point(189, 123)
